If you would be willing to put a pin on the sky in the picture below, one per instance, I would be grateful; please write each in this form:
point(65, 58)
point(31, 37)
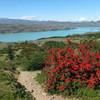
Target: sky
point(58, 10)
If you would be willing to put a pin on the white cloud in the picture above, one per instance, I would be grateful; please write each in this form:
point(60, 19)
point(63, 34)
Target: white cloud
point(80, 19)
point(28, 17)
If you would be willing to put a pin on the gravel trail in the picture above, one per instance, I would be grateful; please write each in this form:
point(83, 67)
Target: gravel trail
point(27, 79)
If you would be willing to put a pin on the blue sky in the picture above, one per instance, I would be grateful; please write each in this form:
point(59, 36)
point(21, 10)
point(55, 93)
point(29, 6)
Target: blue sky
point(61, 10)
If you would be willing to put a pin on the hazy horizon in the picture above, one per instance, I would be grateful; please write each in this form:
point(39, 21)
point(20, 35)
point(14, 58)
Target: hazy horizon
point(50, 20)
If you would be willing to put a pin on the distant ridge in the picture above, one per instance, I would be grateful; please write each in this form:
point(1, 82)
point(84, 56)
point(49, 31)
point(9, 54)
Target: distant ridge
point(7, 20)
point(19, 25)
point(69, 23)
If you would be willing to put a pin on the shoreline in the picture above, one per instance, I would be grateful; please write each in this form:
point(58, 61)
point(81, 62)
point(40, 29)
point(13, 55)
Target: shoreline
point(54, 37)
point(39, 31)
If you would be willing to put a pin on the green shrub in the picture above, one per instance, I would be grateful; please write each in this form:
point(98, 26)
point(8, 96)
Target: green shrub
point(8, 66)
point(10, 53)
point(40, 78)
point(34, 61)
point(53, 44)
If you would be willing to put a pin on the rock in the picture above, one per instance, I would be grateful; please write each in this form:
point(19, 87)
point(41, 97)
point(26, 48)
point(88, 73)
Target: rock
point(44, 94)
point(34, 98)
point(32, 91)
point(32, 77)
point(30, 83)
point(52, 98)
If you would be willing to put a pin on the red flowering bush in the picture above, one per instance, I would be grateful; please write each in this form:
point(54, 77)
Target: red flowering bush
point(72, 68)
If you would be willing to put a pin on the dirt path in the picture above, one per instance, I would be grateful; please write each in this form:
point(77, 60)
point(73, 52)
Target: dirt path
point(27, 79)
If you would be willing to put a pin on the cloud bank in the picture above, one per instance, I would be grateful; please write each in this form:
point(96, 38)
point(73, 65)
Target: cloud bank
point(28, 17)
point(80, 19)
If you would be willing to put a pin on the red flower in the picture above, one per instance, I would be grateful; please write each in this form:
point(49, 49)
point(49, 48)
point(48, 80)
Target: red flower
point(62, 88)
point(72, 65)
point(53, 70)
point(98, 74)
point(68, 80)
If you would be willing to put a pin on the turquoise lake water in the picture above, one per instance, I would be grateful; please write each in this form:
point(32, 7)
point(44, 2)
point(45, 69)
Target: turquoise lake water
point(15, 37)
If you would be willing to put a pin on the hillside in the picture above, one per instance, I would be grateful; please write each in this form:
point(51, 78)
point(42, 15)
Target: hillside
point(18, 25)
point(20, 63)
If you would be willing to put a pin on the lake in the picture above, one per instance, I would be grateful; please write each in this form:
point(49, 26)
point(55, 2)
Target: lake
point(23, 36)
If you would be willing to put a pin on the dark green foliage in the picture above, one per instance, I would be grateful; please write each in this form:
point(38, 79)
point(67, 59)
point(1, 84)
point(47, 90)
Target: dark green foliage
point(34, 61)
point(10, 52)
point(53, 44)
point(8, 66)
point(91, 35)
point(40, 78)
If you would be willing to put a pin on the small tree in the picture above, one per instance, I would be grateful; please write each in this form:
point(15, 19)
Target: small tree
point(10, 52)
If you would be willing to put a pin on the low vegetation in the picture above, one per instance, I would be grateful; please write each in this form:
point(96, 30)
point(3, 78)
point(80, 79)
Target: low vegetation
point(67, 79)
point(90, 35)
point(52, 44)
point(33, 62)
point(10, 89)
